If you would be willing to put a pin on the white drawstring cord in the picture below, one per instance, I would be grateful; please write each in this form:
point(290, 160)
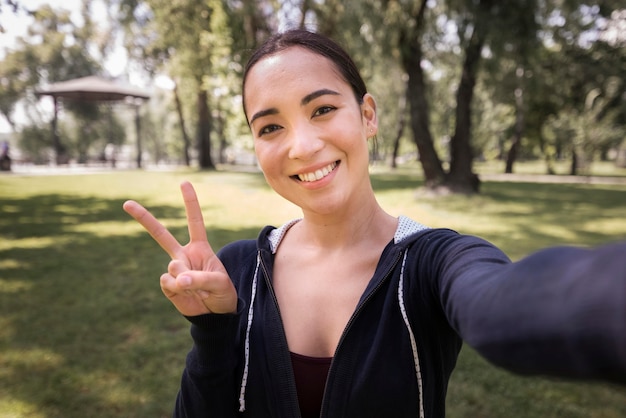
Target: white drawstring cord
point(244, 379)
point(411, 336)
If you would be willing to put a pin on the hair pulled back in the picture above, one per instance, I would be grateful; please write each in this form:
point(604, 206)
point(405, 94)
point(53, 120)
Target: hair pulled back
point(316, 43)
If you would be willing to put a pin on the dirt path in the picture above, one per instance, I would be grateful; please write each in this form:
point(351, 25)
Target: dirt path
point(545, 178)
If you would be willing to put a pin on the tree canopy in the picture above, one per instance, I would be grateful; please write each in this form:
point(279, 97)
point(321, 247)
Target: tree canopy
point(454, 80)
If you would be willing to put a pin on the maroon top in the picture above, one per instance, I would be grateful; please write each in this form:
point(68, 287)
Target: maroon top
point(310, 374)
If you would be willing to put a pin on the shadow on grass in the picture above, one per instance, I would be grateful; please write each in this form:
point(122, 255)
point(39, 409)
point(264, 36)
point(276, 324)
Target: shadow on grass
point(395, 181)
point(84, 327)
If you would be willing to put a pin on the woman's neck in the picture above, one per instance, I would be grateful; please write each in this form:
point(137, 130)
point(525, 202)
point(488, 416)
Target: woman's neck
point(349, 229)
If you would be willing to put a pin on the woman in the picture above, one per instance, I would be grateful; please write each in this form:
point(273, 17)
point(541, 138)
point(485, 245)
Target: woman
point(349, 311)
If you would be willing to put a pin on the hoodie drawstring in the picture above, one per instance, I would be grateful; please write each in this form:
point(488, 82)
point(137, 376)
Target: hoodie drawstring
point(411, 336)
point(244, 379)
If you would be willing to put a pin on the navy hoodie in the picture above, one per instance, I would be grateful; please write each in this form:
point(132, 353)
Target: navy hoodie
point(558, 312)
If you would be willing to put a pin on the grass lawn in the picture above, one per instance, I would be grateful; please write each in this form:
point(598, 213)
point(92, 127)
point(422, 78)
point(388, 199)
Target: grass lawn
point(86, 332)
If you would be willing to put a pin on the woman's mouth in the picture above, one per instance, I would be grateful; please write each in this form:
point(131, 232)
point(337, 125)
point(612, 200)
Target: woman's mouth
point(317, 174)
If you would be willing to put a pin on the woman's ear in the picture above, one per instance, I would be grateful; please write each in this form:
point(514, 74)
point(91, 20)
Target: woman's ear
point(368, 110)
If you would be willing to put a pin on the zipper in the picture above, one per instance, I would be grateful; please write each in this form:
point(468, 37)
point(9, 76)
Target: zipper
point(275, 299)
point(356, 313)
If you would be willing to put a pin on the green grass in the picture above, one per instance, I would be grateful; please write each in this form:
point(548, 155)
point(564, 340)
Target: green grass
point(86, 332)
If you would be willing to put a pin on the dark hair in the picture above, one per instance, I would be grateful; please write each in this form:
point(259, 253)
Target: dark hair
point(316, 43)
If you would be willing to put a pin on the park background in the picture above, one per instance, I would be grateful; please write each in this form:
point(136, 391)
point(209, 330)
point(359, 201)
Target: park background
point(504, 121)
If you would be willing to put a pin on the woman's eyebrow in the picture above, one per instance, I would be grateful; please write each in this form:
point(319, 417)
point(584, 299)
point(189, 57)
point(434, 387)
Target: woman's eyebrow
point(260, 114)
point(312, 96)
point(305, 100)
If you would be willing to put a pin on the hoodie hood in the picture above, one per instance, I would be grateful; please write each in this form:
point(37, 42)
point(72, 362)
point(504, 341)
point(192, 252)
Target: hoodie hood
point(406, 229)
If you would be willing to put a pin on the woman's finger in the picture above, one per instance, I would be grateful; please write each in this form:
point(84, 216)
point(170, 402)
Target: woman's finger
point(156, 230)
point(214, 290)
point(176, 267)
point(195, 221)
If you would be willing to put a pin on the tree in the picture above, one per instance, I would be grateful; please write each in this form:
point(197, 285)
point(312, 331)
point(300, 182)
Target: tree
point(584, 63)
point(190, 52)
point(54, 49)
point(508, 72)
point(461, 176)
point(409, 44)
point(441, 56)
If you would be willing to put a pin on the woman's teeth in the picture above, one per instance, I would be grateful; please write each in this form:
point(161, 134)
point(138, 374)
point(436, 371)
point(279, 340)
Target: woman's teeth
point(318, 174)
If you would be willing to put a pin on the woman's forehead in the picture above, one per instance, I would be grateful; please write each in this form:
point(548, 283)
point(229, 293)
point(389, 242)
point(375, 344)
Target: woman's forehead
point(291, 68)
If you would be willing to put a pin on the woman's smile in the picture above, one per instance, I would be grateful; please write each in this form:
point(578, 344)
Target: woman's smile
point(317, 174)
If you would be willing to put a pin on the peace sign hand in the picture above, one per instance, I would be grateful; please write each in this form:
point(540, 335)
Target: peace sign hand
point(196, 281)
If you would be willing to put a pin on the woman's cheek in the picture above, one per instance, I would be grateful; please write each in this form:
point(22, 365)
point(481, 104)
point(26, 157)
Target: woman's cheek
point(263, 154)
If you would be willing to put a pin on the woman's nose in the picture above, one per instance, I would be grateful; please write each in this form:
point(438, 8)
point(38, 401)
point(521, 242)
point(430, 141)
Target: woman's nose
point(304, 143)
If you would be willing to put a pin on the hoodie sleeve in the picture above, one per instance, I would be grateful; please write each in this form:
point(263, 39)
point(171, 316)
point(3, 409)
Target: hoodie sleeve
point(208, 385)
point(560, 311)
point(210, 382)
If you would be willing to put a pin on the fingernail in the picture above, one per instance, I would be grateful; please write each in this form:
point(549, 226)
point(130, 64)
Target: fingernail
point(184, 281)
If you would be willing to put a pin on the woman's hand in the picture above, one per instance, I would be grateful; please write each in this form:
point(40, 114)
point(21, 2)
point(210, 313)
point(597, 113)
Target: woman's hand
point(196, 281)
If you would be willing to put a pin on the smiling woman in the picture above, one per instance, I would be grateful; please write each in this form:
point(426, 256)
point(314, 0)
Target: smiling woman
point(351, 311)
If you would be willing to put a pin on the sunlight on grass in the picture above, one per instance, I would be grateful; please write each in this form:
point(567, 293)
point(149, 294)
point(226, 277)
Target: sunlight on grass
point(559, 233)
point(110, 228)
point(34, 242)
point(112, 388)
point(14, 286)
point(13, 408)
point(612, 226)
point(34, 360)
point(9, 263)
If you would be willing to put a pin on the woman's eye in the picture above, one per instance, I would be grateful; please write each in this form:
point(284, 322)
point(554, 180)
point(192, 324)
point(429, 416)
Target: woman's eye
point(323, 110)
point(268, 129)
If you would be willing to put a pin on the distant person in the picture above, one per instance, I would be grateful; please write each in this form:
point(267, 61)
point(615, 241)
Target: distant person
point(350, 311)
point(5, 158)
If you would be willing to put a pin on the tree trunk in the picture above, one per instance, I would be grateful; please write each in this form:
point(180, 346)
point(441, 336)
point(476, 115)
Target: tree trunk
point(511, 156)
point(620, 161)
point(304, 9)
point(204, 132)
point(255, 26)
point(547, 156)
point(138, 134)
point(411, 50)
point(9, 119)
point(181, 121)
point(461, 178)
point(60, 151)
point(219, 124)
point(400, 129)
point(519, 121)
point(574, 167)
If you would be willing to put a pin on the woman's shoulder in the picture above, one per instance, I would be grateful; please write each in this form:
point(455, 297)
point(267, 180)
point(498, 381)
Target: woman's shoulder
point(443, 244)
point(410, 232)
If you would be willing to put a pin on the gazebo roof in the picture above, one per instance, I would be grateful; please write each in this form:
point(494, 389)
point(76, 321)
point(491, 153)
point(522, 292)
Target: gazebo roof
point(92, 88)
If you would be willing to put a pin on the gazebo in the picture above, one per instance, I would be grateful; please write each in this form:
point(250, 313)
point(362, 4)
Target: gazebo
point(92, 89)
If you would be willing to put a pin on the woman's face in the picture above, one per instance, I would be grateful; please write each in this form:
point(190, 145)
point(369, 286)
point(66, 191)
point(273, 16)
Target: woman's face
point(310, 133)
